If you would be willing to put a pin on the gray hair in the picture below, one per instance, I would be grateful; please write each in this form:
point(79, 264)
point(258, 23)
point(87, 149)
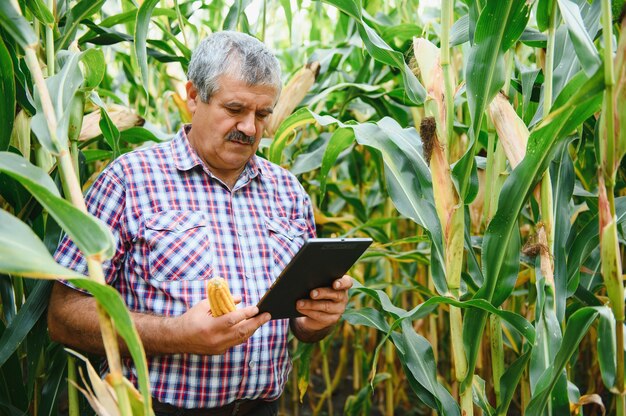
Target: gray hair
point(234, 53)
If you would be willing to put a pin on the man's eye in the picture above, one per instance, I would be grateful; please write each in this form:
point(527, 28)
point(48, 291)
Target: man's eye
point(262, 116)
point(233, 110)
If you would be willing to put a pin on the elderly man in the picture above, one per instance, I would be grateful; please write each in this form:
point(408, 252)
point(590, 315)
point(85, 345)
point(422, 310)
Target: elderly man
point(200, 206)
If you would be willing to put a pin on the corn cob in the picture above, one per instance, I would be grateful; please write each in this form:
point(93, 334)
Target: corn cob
point(220, 299)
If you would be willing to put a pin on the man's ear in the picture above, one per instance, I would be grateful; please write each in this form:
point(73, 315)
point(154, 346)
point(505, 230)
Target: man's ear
point(192, 97)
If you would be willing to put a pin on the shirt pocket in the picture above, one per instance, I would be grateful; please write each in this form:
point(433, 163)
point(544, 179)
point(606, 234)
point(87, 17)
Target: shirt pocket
point(286, 236)
point(178, 246)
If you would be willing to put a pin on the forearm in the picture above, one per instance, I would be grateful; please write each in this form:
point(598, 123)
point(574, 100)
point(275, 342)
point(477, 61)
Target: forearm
point(305, 334)
point(73, 321)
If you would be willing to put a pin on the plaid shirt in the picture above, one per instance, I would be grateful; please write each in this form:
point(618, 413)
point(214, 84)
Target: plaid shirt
point(176, 225)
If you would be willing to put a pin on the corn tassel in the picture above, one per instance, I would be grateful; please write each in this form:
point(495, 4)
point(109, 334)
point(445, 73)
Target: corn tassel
point(220, 298)
point(293, 93)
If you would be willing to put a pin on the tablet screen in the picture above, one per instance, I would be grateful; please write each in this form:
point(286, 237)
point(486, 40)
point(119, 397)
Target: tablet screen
point(317, 264)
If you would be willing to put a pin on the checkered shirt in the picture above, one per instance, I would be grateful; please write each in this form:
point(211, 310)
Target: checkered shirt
point(175, 226)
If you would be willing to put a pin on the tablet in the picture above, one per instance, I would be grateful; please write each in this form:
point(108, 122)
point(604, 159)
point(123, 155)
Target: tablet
point(317, 264)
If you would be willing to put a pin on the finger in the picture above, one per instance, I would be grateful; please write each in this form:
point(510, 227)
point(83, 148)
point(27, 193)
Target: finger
point(323, 306)
point(233, 318)
point(329, 294)
point(321, 319)
point(343, 283)
point(246, 328)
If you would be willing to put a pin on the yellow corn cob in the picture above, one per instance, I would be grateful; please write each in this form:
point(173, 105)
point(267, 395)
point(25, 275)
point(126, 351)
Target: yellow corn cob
point(220, 299)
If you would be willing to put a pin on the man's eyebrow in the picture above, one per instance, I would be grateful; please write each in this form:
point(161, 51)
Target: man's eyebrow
point(233, 104)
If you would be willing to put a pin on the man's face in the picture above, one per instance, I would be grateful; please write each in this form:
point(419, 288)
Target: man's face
point(226, 131)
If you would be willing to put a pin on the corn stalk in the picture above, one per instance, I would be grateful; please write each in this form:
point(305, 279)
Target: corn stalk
point(612, 146)
point(436, 138)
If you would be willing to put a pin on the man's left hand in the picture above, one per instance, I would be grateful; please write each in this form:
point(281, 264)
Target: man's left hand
point(322, 311)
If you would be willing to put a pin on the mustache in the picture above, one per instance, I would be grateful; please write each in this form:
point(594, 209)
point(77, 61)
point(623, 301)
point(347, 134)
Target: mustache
point(237, 136)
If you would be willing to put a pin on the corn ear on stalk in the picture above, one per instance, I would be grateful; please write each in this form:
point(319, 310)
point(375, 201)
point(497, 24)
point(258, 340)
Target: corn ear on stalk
point(123, 118)
point(219, 295)
point(512, 131)
point(20, 135)
point(292, 94)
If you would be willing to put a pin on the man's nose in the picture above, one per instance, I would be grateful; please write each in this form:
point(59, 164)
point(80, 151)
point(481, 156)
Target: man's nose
point(247, 125)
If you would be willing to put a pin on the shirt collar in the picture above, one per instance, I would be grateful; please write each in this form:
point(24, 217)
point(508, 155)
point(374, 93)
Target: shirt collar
point(186, 158)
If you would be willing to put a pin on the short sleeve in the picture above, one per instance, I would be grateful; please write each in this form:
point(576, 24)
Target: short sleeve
point(105, 200)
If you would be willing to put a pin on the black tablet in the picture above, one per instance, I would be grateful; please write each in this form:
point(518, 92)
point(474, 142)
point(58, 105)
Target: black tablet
point(319, 263)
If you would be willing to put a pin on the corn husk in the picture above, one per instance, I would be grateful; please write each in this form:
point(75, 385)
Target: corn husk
point(292, 94)
point(512, 131)
point(20, 135)
point(428, 68)
point(121, 116)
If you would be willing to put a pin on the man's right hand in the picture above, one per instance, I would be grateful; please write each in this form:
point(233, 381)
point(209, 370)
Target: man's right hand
point(73, 321)
point(202, 333)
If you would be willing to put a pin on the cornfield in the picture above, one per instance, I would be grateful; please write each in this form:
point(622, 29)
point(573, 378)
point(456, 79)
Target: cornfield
point(479, 143)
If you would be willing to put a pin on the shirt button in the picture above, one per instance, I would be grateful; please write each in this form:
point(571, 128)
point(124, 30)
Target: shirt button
point(252, 364)
point(239, 233)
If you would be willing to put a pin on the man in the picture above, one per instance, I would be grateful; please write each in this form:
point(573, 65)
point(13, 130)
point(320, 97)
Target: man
point(200, 206)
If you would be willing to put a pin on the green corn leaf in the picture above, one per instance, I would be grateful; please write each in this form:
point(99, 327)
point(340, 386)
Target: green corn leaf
point(55, 384)
point(30, 312)
point(286, 5)
point(380, 51)
point(417, 355)
point(544, 14)
point(82, 10)
point(40, 11)
point(139, 135)
point(583, 43)
point(15, 24)
point(95, 67)
point(479, 396)
point(235, 14)
point(141, 35)
point(109, 130)
point(22, 253)
point(114, 305)
point(62, 87)
point(566, 63)
point(607, 349)
point(576, 328)
point(563, 179)
point(369, 317)
point(498, 28)
point(521, 325)
point(287, 128)
point(90, 234)
point(7, 96)
point(509, 381)
point(408, 179)
point(339, 141)
point(581, 99)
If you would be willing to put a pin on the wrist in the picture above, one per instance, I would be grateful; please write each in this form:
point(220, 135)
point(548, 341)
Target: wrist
point(305, 334)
